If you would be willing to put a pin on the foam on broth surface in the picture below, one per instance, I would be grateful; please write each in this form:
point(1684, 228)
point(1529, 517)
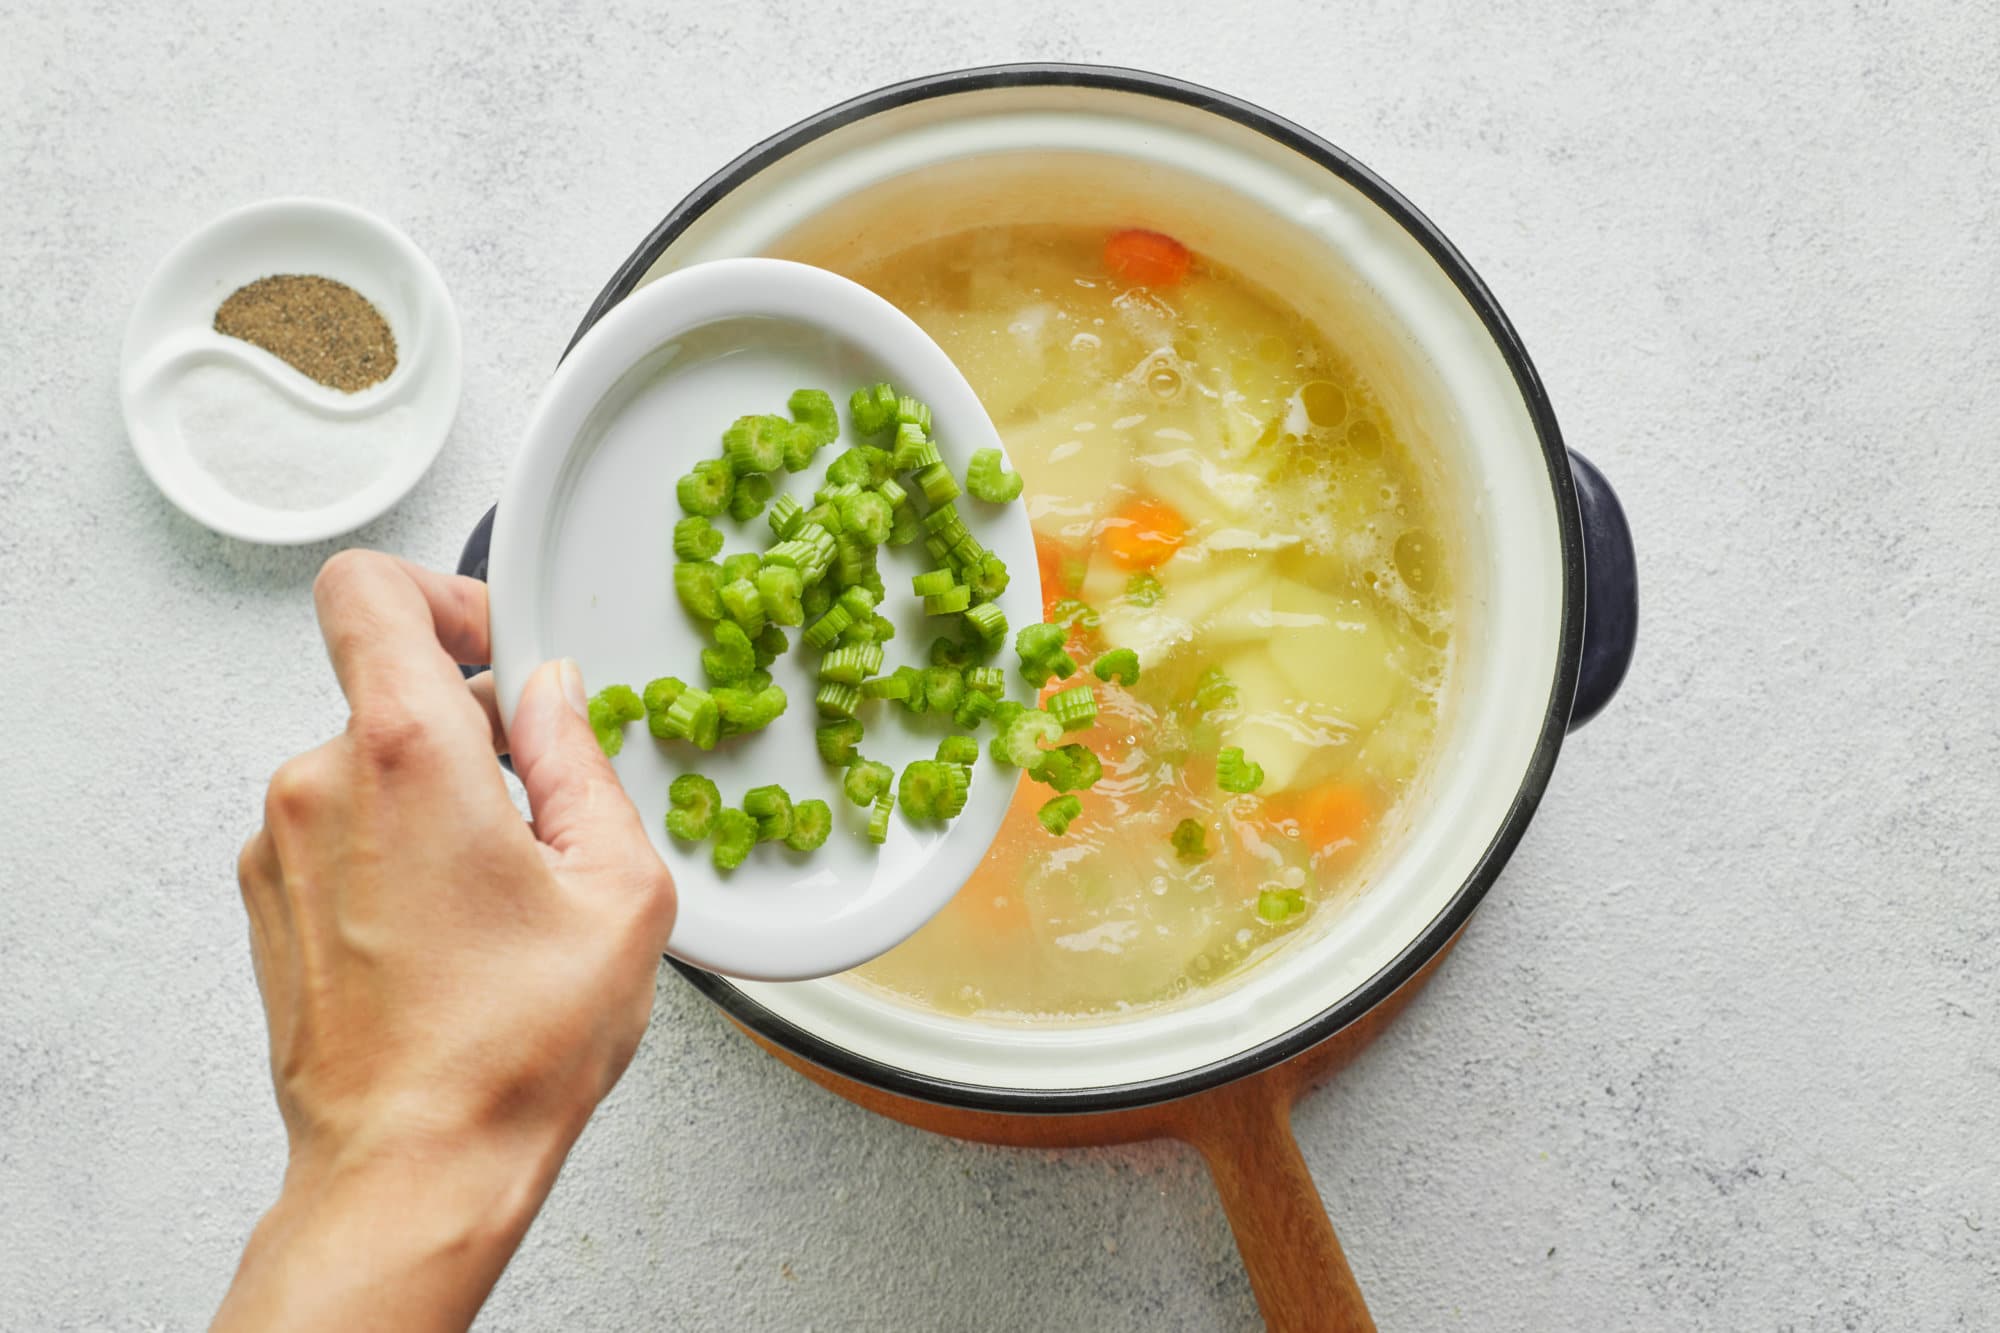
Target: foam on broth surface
point(1310, 573)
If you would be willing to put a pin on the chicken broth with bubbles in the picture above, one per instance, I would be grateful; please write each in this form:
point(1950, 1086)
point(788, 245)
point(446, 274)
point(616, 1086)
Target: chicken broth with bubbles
point(1212, 486)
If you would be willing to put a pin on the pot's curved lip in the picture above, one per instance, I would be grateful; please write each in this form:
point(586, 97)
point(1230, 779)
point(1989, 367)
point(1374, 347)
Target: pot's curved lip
point(983, 1097)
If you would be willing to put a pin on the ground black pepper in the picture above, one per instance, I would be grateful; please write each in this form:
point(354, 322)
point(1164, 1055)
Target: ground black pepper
point(321, 328)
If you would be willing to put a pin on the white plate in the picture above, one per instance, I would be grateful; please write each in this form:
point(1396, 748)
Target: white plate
point(582, 566)
point(171, 340)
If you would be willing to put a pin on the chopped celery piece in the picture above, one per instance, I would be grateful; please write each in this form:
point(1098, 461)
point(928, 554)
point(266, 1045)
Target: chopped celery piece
point(865, 780)
point(779, 589)
point(937, 484)
point(755, 444)
point(868, 516)
point(695, 538)
point(851, 664)
point(990, 621)
point(1234, 773)
point(946, 524)
point(745, 607)
point(1037, 641)
point(986, 476)
point(852, 468)
point(949, 602)
point(811, 822)
point(838, 740)
point(1019, 740)
point(735, 835)
point(1070, 767)
point(913, 697)
point(878, 818)
point(1120, 664)
point(860, 602)
point(817, 599)
point(1278, 905)
point(1214, 690)
point(1075, 707)
point(913, 412)
point(873, 409)
point(932, 789)
point(813, 409)
point(932, 582)
point(698, 583)
point(771, 807)
point(610, 709)
point(693, 717)
point(853, 562)
point(1038, 670)
point(837, 700)
point(915, 451)
point(952, 652)
point(943, 688)
point(973, 709)
point(732, 659)
point(1058, 813)
point(751, 493)
point(784, 516)
point(987, 577)
point(1143, 590)
point(692, 804)
point(893, 686)
point(801, 444)
point(770, 645)
point(742, 565)
point(987, 680)
point(706, 489)
point(658, 698)
point(1190, 840)
point(958, 750)
point(905, 528)
point(822, 633)
point(957, 789)
point(745, 709)
point(892, 490)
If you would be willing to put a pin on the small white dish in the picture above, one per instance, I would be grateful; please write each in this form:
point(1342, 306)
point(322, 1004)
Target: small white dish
point(582, 566)
point(331, 484)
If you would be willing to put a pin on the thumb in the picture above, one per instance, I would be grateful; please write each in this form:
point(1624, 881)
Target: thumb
point(580, 810)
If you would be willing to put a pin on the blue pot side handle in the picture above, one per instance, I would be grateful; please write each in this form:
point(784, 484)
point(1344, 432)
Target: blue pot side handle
point(1611, 583)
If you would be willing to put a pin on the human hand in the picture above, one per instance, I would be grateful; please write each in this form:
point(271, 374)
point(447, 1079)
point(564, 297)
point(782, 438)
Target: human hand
point(449, 991)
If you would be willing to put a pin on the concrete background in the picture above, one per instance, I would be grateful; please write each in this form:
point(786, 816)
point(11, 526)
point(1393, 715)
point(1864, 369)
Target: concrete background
point(1718, 1052)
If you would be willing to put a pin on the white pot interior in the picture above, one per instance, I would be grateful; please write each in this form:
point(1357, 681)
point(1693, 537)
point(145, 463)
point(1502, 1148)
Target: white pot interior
point(1281, 219)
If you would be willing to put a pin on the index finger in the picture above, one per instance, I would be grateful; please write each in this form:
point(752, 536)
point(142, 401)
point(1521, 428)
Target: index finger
point(393, 627)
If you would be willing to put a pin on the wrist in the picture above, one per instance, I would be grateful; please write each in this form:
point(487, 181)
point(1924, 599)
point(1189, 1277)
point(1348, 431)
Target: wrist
point(410, 1230)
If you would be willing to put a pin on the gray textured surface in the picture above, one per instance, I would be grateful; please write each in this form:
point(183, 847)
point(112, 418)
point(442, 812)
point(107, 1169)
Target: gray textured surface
point(1719, 1051)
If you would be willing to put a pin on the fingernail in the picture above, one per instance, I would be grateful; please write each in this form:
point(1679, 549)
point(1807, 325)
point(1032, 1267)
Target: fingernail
point(571, 676)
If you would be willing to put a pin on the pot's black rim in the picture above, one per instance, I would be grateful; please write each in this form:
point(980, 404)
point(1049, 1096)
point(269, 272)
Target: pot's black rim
point(1433, 937)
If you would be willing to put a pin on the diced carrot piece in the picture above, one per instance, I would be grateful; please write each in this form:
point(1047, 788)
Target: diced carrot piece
point(1146, 258)
point(1332, 816)
point(1144, 533)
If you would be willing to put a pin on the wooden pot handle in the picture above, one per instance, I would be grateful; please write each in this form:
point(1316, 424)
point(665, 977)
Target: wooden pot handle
point(1296, 1267)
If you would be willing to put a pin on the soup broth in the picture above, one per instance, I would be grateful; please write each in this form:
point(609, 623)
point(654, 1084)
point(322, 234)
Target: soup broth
point(1212, 485)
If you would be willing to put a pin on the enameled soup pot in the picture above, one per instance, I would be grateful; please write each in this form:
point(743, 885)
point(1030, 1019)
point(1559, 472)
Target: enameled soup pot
point(1546, 581)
